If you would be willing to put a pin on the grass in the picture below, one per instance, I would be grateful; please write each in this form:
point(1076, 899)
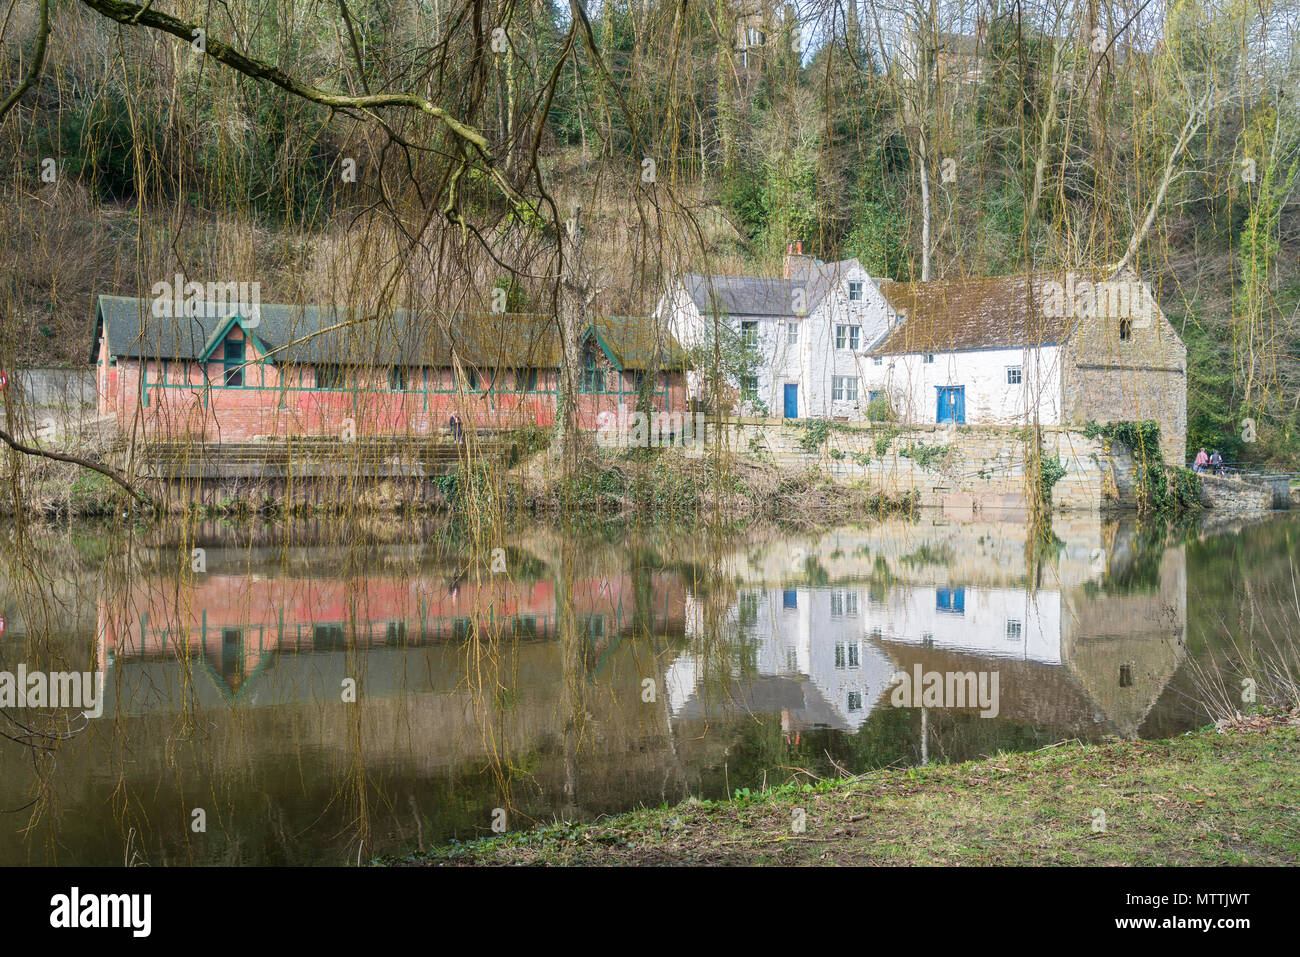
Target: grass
point(1209, 797)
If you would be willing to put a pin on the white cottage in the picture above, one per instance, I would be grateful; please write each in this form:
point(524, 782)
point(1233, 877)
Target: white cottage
point(1060, 349)
point(811, 327)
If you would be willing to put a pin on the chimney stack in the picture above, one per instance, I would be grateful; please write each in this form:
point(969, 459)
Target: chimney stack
point(796, 263)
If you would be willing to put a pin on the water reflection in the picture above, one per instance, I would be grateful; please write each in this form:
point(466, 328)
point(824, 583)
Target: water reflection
point(327, 693)
point(1087, 648)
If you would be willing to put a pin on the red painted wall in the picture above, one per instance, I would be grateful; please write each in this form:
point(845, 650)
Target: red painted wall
point(279, 402)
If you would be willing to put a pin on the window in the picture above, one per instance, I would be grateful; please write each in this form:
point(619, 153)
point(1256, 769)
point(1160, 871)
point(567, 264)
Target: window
point(929, 357)
point(790, 598)
point(855, 291)
point(951, 600)
point(1125, 330)
point(844, 602)
point(330, 377)
point(234, 362)
point(1126, 676)
point(747, 608)
point(855, 655)
point(471, 380)
point(847, 336)
point(839, 656)
point(526, 380)
point(877, 361)
point(792, 333)
point(844, 389)
point(328, 638)
point(1014, 629)
point(397, 379)
point(1013, 375)
point(395, 634)
point(855, 700)
point(749, 387)
point(749, 331)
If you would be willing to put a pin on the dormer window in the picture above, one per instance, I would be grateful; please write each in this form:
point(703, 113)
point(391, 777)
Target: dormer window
point(233, 363)
point(855, 290)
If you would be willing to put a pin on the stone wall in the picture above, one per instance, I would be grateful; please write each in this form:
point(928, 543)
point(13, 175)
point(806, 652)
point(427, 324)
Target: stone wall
point(962, 470)
point(1110, 379)
point(1235, 495)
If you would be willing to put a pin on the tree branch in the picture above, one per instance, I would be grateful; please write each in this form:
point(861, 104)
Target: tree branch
point(1194, 120)
point(116, 476)
point(38, 61)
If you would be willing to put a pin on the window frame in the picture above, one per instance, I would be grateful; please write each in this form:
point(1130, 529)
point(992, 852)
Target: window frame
point(230, 368)
point(1018, 372)
point(859, 287)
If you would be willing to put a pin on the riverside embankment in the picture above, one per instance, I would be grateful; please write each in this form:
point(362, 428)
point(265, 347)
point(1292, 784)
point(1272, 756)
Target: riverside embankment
point(1209, 797)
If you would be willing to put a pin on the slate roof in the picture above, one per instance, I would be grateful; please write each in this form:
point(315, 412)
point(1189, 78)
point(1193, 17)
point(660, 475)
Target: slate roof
point(327, 336)
point(956, 315)
point(762, 296)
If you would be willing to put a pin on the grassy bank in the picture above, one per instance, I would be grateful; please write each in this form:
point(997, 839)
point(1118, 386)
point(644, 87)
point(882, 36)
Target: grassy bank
point(1210, 797)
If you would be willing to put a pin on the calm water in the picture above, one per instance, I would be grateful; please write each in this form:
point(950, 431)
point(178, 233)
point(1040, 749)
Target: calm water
point(592, 675)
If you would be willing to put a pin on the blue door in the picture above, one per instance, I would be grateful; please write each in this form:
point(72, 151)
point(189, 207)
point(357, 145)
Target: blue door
point(952, 405)
point(791, 401)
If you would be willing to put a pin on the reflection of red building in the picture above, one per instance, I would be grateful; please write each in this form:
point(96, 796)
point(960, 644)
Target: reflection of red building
point(287, 370)
point(236, 623)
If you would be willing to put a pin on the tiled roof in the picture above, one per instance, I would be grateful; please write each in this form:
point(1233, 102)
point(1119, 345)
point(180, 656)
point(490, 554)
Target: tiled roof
point(762, 296)
point(956, 315)
point(325, 335)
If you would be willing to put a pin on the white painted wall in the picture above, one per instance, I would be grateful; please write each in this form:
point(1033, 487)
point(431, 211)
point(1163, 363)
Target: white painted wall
point(911, 614)
point(912, 384)
point(813, 362)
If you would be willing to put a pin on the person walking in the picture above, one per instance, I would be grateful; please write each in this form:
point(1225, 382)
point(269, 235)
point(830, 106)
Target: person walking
point(1201, 461)
point(1216, 462)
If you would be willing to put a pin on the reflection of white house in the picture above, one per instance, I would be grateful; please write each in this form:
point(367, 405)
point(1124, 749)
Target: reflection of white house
point(814, 636)
point(990, 622)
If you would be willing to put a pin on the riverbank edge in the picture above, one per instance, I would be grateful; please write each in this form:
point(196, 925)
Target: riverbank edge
point(1222, 795)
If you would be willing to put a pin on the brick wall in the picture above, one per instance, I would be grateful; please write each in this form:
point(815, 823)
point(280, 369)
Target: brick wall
point(184, 400)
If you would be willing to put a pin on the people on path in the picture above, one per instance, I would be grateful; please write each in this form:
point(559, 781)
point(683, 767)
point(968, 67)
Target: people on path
point(1201, 461)
point(1216, 462)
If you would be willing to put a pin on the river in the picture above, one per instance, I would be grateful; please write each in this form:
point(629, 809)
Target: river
point(322, 692)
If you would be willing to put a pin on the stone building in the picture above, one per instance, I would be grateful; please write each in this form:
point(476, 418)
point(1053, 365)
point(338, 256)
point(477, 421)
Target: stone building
point(1048, 349)
point(1051, 350)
